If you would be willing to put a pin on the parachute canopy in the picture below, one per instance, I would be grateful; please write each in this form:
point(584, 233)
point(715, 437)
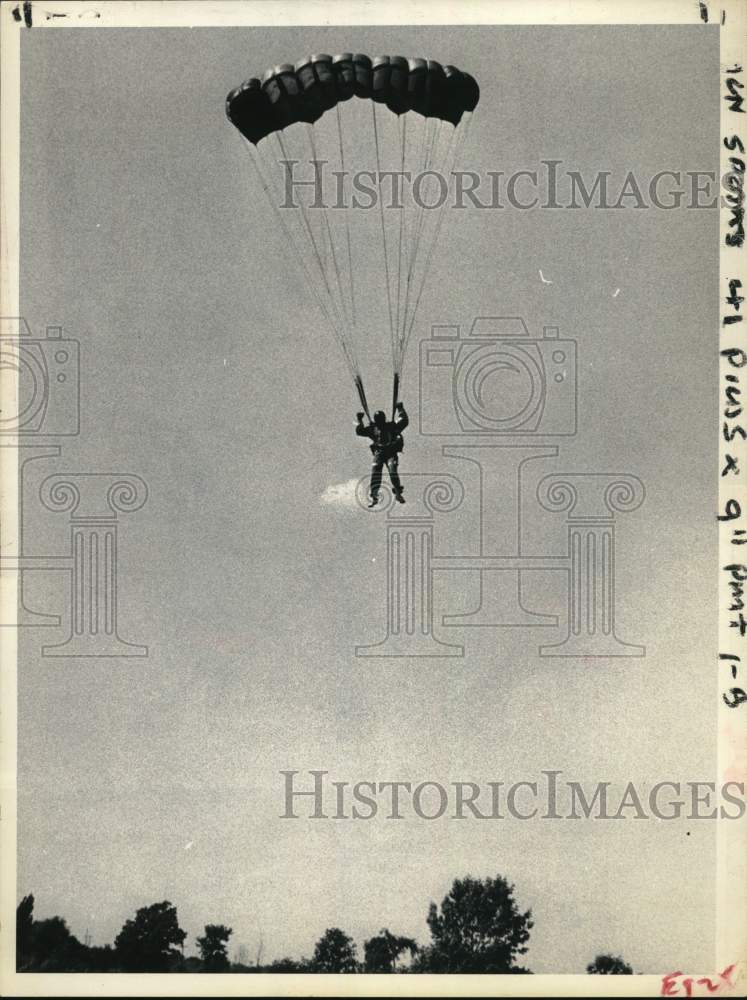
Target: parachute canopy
point(303, 93)
point(294, 99)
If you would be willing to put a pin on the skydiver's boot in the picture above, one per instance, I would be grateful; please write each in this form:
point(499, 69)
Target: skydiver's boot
point(399, 497)
point(372, 501)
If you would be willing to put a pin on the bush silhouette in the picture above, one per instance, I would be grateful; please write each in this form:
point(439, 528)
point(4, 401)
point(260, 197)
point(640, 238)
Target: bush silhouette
point(609, 965)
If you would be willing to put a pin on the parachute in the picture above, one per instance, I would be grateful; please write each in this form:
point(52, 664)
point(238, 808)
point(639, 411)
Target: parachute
point(413, 115)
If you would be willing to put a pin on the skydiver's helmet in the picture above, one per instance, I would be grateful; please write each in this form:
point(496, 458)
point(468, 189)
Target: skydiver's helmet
point(379, 418)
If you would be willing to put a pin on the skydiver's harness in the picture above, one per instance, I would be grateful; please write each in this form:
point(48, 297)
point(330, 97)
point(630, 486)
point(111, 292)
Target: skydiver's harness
point(389, 441)
point(386, 442)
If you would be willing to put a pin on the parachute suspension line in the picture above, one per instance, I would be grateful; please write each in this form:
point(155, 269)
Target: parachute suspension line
point(300, 257)
point(458, 140)
point(347, 222)
point(422, 159)
point(434, 163)
point(454, 145)
point(322, 262)
point(318, 254)
point(402, 143)
point(310, 234)
point(427, 167)
point(343, 302)
point(395, 394)
point(398, 353)
point(362, 395)
point(383, 238)
point(430, 146)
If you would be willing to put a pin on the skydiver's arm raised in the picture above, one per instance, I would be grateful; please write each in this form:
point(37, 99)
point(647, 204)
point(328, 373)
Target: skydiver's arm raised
point(403, 420)
point(360, 428)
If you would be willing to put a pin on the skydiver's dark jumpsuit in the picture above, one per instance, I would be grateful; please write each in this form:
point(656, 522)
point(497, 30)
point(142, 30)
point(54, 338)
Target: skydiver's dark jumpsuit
point(386, 444)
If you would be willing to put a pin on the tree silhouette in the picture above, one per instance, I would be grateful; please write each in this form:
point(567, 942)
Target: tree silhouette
point(24, 931)
point(212, 945)
point(148, 943)
point(479, 929)
point(51, 936)
point(334, 952)
point(55, 949)
point(383, 950)
point(48, 946)
point(609, 965)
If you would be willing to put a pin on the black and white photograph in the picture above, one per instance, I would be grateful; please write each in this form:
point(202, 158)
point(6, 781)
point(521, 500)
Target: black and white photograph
point(372, 455)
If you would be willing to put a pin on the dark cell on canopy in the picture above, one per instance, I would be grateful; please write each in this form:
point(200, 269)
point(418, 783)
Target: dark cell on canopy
point(281, 86)
point(471, 92)
point(417, 72)
point(325, 74)
point(312, 103)
point(381, 72)
point(248, 108)
point(317, 85)
point(363, 75)
point(435, 90)
point(344, 71)
point(398, 99)
point(454, 95)
point(427, 97)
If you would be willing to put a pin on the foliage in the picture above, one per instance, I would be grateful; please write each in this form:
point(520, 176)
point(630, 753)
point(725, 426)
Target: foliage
point(149, 942)
point(289, 965)
point(478, 929)
point(383, 950)
point(609, 965)
point(24, 930)
point(48, 946)
point(213, 947)
point(334, 952)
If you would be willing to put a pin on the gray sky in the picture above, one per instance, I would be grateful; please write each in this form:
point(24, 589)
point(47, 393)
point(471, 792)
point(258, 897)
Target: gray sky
point(205, 371)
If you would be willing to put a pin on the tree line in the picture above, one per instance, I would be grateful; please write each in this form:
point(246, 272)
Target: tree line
point(478, 928)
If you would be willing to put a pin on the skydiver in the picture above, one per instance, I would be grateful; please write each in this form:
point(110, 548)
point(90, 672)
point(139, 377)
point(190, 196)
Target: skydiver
point(386, 445)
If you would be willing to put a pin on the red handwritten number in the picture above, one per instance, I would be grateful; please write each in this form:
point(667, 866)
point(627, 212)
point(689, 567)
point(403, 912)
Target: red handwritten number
point(726, 974)
point(668, 984)
point(709, 984)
